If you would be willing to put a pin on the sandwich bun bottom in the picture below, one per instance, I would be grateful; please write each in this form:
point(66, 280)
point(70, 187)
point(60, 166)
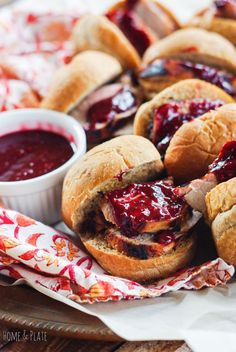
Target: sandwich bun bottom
point(118, 264)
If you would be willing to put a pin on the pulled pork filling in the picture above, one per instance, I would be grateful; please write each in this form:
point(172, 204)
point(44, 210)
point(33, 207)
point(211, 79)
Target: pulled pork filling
point(182, 69)
point(168, 118)
point(107, 109)
point(146, 220)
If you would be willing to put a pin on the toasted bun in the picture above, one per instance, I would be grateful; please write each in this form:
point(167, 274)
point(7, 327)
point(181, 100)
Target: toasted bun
point(195, 145)
point(184, 90)
point(196, 45)
point(221, 211)
point(96, 32)
point(97, 172)
point(223, 26)
point(73, 82)
point(121, 265)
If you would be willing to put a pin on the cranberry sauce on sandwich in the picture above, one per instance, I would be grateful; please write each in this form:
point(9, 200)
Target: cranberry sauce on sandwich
point(107, 109)
point(142, 22)
point(222, 169)
point(146, 219)
point(168, 118)
point(178, 69)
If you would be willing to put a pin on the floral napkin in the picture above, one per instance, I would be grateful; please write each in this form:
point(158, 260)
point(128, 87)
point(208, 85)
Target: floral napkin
point(45, 257)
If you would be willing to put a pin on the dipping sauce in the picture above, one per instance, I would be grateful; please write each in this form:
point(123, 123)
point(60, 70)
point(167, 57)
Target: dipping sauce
point(224, 167)
point(28, 154)
point(145, 202)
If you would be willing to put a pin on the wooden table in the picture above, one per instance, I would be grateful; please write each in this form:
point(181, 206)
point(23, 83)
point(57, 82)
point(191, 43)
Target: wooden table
point(15, 341)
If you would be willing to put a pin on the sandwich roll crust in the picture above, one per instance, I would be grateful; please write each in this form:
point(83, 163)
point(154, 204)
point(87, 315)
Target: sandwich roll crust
point(221, 211)
point(220, 17)
point(197, 45)
point(96, 32)
point(189, 99)
point(195, 145)
point(73, 82)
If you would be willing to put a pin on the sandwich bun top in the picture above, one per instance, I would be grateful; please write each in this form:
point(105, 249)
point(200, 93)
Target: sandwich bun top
point(96, 32)
point(196, 45)
point(101, 169)
point(196, 144)
point(73, 82)
point(221, 212)
point(221, 199)
point(188, 89)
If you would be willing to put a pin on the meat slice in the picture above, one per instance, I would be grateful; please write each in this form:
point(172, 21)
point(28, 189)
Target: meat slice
point(195, 192)
point(155, 17)
point(148, 245)
point(106, 109)
point(141, 247)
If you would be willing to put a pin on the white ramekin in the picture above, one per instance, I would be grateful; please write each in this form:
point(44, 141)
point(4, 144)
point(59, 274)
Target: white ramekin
point(40, 197)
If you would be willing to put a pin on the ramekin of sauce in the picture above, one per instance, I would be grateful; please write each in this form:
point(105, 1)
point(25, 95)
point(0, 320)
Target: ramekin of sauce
point(37, 148)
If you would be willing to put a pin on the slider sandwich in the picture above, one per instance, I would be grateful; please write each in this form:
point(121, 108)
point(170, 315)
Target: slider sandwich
point(135, 224)
point(182, 124)
point(189, 53)
point(94, 90)
point(125, 31)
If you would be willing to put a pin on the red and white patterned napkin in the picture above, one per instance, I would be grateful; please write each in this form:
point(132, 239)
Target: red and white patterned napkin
point(33, 45)
point(44, 257)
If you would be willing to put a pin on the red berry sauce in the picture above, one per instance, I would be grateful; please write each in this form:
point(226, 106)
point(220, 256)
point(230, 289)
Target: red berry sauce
point(130, 25)
point(224, 167)
point(141, 203)
point(106, 110)
point(187, 69)
point(168, 118)
point(165, 237)
point(28, 154)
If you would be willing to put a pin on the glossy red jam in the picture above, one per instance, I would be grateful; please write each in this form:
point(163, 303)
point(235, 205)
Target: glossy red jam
point(141, 203)
point(29, 154)
point(165, 237)
point(187, 69)
point(130, 25)
point(224, 167)
point(106, 110)
point(168, 118)
point(225, 8)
